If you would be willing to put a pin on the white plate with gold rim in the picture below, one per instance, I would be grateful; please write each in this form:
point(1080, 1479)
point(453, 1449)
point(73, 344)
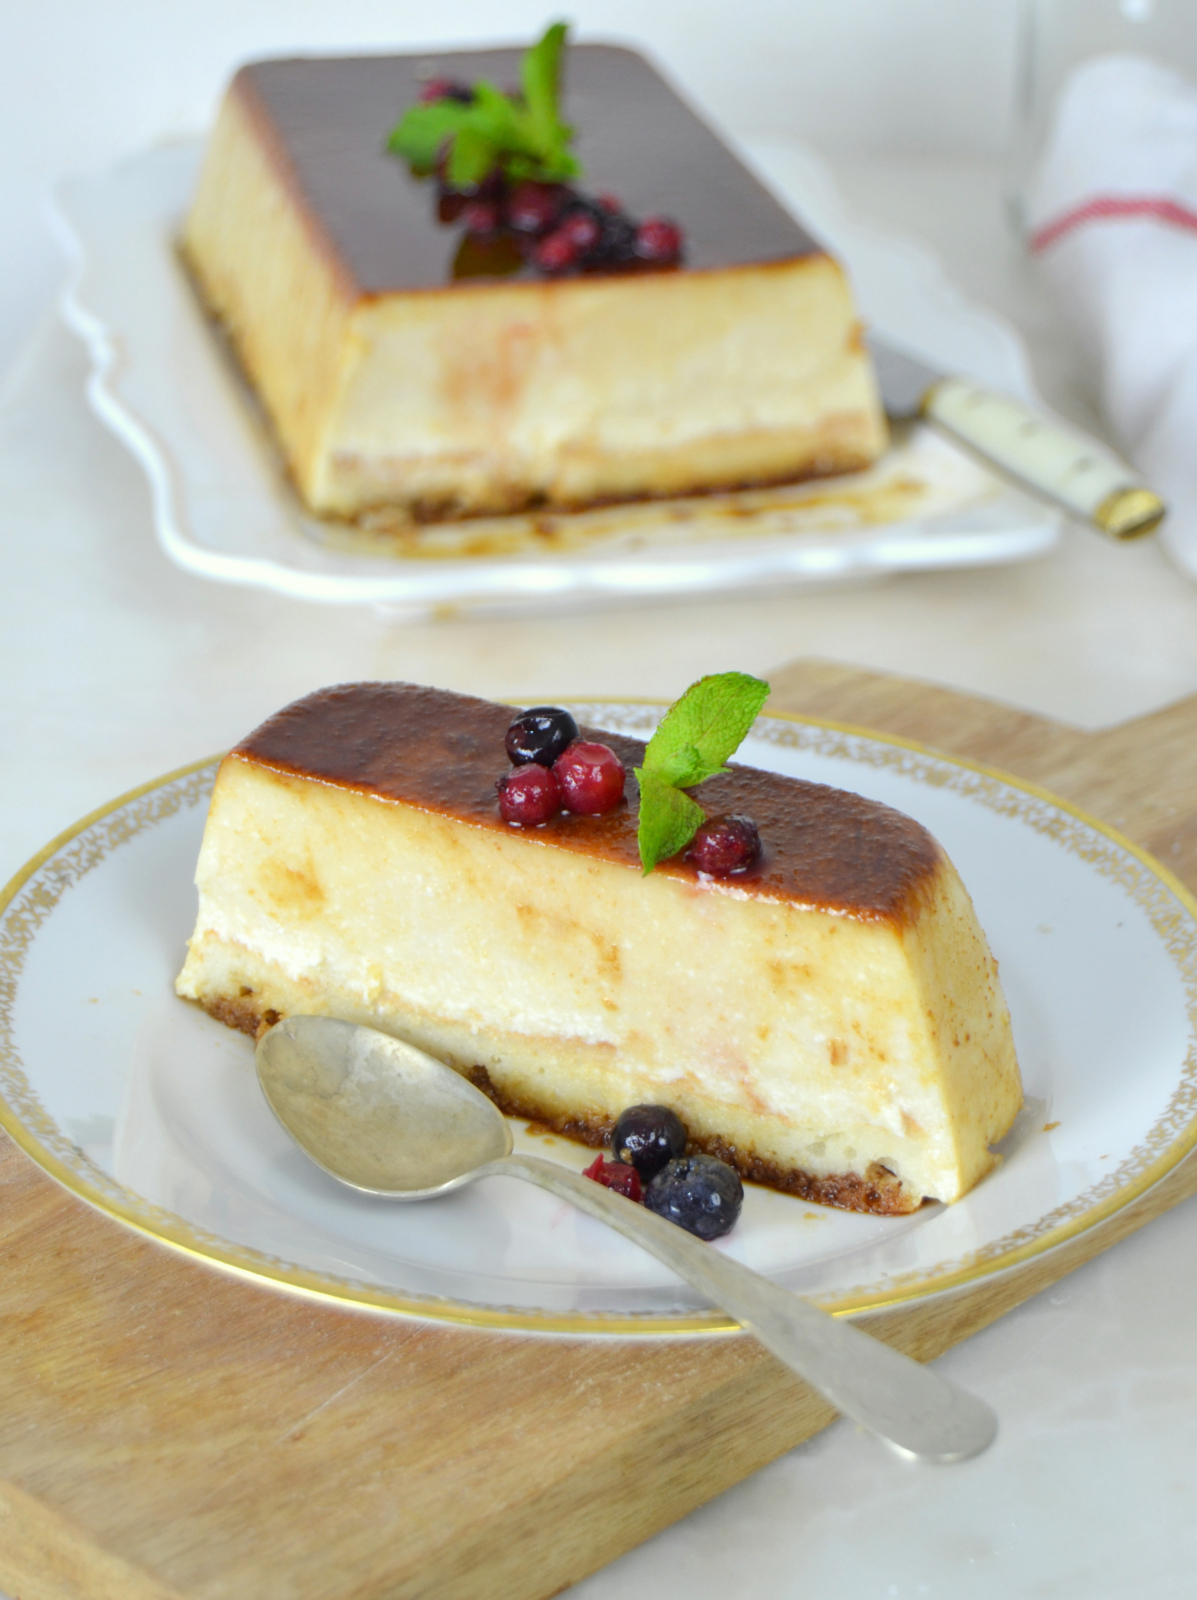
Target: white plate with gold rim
point(150, 1110)
point(225, 509)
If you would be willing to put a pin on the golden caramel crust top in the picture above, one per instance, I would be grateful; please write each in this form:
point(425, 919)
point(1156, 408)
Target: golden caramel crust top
point(325, 121)
point(824, 848)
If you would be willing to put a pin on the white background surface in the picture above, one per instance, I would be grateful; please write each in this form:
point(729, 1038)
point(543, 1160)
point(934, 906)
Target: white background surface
point(115, 666)
point(87, 81)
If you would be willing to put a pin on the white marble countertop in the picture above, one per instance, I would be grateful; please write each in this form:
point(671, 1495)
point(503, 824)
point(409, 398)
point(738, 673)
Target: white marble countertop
point(117, 667)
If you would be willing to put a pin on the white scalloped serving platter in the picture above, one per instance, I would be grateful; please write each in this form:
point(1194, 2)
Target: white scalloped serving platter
point(224, 508)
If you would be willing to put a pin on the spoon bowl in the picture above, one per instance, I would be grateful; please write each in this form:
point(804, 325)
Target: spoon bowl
point(376, 1113)
point(384, 1117)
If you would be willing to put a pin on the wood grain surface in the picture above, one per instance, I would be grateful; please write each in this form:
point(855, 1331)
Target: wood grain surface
point(174, 1434)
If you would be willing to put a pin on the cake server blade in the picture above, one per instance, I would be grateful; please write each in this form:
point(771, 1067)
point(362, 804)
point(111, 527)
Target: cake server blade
point(1056, 461)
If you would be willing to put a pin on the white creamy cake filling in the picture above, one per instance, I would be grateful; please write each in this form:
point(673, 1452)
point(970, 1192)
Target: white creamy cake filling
point(814, 1041)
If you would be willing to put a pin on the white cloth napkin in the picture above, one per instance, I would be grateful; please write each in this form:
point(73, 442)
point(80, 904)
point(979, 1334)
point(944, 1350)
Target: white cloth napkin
point(1112, 213)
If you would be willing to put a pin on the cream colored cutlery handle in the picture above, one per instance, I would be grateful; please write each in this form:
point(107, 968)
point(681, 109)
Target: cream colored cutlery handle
point(919, 1412)
point(1047, 457)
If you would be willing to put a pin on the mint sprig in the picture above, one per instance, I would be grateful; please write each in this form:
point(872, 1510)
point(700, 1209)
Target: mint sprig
point(669, 818)
point(696, 736)
point(523, 136)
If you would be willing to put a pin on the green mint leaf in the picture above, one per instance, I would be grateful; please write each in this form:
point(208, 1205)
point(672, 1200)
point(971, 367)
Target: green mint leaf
point(418, 138)
point(471, 158)
point(669, 819)
point(540, 76)
point(498, 119)
point(701, 730)
point(696, 736)
point(559, 168)
point(683, 766)
point(523, 135)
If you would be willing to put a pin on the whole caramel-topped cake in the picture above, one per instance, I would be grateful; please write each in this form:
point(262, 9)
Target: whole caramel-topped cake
point(830, 1022)
point(440, 362)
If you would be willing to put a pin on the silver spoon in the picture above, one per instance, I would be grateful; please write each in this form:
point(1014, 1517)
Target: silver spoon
point(383, 1117)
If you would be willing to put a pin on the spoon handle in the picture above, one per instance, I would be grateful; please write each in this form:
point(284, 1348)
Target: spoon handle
point(921, 1414)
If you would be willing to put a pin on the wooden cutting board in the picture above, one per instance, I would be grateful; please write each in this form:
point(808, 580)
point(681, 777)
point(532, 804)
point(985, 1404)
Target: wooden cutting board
point(170, 1433)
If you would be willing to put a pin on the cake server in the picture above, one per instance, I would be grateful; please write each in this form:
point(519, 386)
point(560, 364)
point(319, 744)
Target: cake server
point(383, 1117)
point(1058, 462)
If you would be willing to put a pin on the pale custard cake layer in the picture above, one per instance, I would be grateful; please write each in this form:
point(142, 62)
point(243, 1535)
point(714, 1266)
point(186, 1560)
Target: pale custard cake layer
point(392, 384)
point(832, 1024)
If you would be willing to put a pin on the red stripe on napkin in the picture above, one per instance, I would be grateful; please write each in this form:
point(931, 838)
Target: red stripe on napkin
point(1114, 208)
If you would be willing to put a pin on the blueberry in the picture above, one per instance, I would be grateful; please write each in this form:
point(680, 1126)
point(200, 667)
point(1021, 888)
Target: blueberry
point(541, 735)
point(699, 1193)
point(617, 242)
point(646, 1137)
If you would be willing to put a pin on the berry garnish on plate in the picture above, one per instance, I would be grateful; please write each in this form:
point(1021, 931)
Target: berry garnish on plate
point(617, 1175)
point(647, 1137)
point(528, 796)
point(699, 1193)
point(591, 776)
point(540, 734)
point(724, 846)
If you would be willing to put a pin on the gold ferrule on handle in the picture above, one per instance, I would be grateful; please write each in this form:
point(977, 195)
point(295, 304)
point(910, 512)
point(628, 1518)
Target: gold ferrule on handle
point(1130, 513)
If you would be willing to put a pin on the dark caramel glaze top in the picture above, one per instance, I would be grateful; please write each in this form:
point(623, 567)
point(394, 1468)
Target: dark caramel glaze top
point(825, 848)
point(326, 120)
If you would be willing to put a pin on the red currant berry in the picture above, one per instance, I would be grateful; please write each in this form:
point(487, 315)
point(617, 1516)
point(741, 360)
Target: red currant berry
point(659, 240)
point(591, 778)
point(528, 796)
point(556, 252)
point(616, 1175)
point(583, 229)
point(446, 89)
point(436, 89)
point(609, 203)
point(724, 845)
point(534, 207)
point(481, 216)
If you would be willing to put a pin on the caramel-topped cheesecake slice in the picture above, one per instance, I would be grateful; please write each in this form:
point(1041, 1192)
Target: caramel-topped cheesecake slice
point(407, 371)
point(831, 1024)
